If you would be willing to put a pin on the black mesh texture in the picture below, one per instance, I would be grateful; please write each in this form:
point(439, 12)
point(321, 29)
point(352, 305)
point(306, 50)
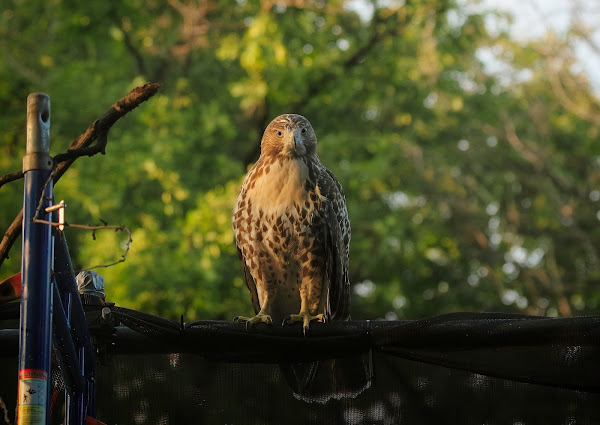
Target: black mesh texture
point(452, 369)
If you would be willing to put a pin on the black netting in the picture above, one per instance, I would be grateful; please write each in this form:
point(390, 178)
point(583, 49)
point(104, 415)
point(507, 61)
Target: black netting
point(458, 369)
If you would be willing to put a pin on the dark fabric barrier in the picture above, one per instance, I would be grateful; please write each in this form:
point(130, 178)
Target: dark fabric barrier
point(464, 368)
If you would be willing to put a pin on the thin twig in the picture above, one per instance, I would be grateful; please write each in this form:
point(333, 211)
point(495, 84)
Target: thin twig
point(94, 228)
point(43, 197)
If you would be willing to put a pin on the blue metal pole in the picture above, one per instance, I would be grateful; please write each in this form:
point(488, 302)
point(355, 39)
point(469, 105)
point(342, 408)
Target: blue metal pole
point(35, 337)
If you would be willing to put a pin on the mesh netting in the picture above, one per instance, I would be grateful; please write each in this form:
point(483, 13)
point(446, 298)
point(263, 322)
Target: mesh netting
point(459, 368)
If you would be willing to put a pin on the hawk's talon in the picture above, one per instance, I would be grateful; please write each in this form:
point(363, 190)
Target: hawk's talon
point(305, 318)
point(251, 321)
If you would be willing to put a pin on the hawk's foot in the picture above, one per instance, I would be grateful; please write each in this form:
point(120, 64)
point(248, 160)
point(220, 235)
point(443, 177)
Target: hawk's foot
point(251, 321)
point(305, 318)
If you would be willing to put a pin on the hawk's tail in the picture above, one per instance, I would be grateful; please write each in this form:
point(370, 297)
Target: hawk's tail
point(319, 381)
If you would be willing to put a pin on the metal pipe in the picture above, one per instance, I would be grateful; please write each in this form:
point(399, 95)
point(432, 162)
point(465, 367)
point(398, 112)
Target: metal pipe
point(37, 152)
point(66, 352)
point(35, 331)
point(78, 404)
point(65, 280)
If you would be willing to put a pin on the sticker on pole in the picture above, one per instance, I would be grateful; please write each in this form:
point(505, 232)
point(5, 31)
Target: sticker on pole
point(33, 393)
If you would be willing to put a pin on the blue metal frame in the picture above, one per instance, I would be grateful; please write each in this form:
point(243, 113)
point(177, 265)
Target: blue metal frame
point(79, 404)
point(35, 335)
point(49, 308)
point(36, 305)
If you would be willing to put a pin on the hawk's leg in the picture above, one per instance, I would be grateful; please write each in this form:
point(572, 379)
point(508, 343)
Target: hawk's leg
point(305, 318)
point(263, 316)
point(251, 321)
point(313, 298)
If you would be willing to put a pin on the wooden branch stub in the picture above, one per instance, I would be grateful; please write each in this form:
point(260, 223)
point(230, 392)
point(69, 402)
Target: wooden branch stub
point(11, 235)
point(7, 178)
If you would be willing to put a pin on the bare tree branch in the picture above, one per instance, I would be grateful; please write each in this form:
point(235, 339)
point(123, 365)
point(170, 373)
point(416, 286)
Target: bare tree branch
point(82, 146)
point(11, 235)
point(581, 28)
point(579, 107)
point(380, 30)
point(518, 145)
point(7, 178)
point(572, 92)
point(133, 51)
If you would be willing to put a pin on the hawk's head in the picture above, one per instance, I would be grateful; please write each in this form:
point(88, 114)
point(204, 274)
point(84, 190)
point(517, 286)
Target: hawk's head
point(289, 135)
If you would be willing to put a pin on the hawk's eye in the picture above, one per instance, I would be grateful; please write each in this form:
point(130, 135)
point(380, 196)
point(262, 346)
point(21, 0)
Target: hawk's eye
point(279, 133)
point(303, 131)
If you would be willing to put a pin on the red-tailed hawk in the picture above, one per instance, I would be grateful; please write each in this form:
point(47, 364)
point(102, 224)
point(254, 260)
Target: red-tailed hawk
point(292, 230)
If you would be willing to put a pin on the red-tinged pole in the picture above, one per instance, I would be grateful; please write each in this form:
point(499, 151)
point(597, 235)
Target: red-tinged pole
point(35, 337)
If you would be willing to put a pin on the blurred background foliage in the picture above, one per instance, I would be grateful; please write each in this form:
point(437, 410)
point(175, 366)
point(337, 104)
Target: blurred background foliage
point(470, 159)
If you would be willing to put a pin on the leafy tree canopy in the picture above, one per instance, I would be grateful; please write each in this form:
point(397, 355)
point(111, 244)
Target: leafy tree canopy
point(469, 186)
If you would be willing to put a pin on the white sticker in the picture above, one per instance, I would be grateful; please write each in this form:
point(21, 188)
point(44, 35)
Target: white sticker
point(33, 394)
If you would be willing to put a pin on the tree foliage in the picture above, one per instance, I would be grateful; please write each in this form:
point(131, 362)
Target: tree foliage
point(470, 160)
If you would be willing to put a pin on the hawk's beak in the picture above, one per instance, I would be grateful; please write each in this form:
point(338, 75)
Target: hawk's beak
point(298, 147)
point(297, 140)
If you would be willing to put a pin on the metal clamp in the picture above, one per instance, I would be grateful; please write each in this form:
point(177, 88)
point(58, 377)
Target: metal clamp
point(37, 161)
point(60, 207)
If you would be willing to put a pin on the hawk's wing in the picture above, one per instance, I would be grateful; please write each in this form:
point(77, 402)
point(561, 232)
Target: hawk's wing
point(249, 283)
point(337, 245)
